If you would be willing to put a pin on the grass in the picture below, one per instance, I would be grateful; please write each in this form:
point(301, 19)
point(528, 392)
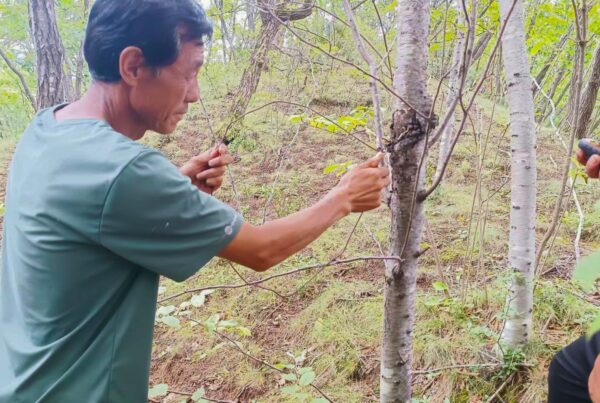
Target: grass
point(336, 318)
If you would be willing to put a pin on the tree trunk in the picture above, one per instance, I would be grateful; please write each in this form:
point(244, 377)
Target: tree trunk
point(407, 148)
point(588, 99)
point(523, 177)
point(271, 24)
point(480, 46)
point(544, 71)
point(547, 106)
point(250, 16)
point(453, 84)
point(53, 86)
point(80, 58)
point(225, 38)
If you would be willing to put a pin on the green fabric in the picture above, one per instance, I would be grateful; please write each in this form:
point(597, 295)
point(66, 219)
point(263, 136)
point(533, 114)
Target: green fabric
point(92, 218)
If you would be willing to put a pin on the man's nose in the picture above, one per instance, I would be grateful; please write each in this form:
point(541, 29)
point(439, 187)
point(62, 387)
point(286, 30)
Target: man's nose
point(193, 93)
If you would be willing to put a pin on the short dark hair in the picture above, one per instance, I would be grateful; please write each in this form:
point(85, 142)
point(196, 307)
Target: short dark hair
point(157, 27)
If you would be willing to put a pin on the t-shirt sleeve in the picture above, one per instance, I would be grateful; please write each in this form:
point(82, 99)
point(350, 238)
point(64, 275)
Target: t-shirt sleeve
point(154, 217)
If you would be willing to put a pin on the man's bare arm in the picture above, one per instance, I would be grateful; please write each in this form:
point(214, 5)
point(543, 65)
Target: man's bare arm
point(261, 247)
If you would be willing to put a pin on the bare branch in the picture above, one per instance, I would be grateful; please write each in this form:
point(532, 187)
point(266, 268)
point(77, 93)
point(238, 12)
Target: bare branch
point(373, 68)
point(24, 85)
point(424, 195)
point(274, 276)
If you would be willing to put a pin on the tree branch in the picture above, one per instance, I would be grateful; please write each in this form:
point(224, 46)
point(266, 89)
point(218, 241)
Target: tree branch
point(24, 85)
point(274, 276)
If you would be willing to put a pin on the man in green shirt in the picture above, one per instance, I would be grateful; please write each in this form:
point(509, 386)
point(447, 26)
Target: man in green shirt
point(93, 217)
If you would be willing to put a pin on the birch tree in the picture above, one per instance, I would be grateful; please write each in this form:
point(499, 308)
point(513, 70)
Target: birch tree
point(523, 176)
point(453, 83)
point(407, 150)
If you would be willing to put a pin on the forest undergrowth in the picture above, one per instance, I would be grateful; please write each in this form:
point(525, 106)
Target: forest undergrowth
point(324, 324)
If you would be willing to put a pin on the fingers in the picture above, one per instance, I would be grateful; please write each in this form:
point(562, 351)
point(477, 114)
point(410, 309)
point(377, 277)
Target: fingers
point(581, 157)
point(372, 162)
point(592, 167)
point(221, 160)
point(214, 182)
point(211, 173)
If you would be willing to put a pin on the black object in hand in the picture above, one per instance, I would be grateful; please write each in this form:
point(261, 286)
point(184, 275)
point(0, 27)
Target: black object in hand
point(589, 147)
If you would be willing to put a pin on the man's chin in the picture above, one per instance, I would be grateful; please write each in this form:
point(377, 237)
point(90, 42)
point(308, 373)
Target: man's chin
point(166, 129)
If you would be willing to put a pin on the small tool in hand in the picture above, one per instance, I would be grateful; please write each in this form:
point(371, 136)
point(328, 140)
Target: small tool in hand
point(227, 141)
point(589, 147)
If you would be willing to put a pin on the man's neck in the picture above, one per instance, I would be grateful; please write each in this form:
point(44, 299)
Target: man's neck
point(108, 102)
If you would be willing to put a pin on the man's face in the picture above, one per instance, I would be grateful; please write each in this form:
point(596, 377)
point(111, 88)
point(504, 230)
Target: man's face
point(161, 98)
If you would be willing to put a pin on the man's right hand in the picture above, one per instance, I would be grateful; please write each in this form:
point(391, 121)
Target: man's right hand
point(592, 165)
point(361, 187)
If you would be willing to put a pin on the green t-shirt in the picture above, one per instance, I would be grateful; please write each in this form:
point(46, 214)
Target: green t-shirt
point(92, 219)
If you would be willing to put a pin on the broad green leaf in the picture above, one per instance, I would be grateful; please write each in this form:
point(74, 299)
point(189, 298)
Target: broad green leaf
point(171, 321)
point(198, 394)
point(439, 286)
point(290, 390)
point(307, 378)
point(290, 377)
point(228, 323)
point(588, 271)
point(211, 323)
point(319, 400)
point(158, 390)
point(165, 310)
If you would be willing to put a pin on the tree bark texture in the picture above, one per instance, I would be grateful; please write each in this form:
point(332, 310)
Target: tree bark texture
point(52, 85)
point(453, 85)
point(523, 177)
point(589, 96)
point(407, 148)
point(80, 57)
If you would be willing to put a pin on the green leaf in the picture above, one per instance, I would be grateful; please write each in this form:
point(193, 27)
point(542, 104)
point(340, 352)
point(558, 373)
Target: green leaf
point(211, 323)
point(307, 378)
point(165, 310)
point(158, 390)
point(290, 377)
point(171, 321)
point(290, 390)
point(199, 299)
point(228, 323)
point(319, 400)
point(198, 394)
point(296, 118)
point(243, 331)
point(588, 271)
point(439, 286)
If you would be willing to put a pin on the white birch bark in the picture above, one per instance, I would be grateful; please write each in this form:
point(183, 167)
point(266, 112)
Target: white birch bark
point(453, 85)
point(523, 178)
point(408, 173)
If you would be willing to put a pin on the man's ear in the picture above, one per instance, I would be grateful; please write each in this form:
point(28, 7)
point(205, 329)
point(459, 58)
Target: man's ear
point(131, 62)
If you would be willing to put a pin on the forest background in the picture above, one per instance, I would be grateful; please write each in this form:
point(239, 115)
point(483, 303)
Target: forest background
point(469, 270)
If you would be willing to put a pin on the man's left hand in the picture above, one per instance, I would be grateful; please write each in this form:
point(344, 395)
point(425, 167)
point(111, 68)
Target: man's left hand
point(207, 169)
